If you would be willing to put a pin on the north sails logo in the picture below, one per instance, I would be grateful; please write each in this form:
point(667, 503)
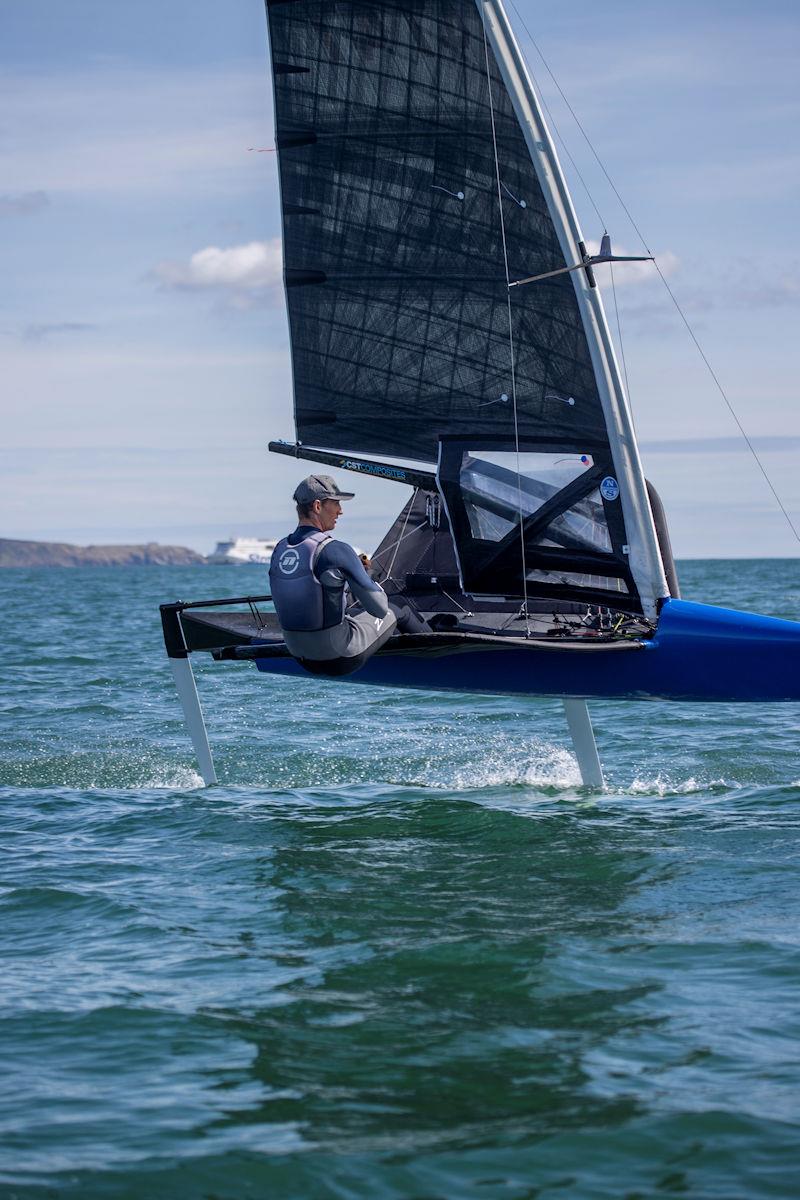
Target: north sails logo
point(609, 488)
point(289, 562)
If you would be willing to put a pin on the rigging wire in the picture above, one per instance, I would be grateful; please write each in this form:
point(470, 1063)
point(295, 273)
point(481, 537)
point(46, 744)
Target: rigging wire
point(586, 137)
point(510, 330)
point(669, 290)
point(388, 575)
point(454, 601)
point(730, 407)
point(551, 118)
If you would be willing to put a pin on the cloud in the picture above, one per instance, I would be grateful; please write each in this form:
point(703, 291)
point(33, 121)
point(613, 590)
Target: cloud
point(244, 273)
point(745, 285)
point(23, 204)
point(775, 292)
point(40, 333)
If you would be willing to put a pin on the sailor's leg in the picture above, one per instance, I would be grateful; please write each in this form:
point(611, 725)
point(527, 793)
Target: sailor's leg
point(193, 714)
point(407, 620)
point(580, 728)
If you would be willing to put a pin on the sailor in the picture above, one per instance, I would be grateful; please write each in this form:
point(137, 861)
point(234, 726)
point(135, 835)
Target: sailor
point(308, 574)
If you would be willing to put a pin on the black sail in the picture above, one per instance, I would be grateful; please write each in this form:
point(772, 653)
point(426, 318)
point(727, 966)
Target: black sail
point(394, 259)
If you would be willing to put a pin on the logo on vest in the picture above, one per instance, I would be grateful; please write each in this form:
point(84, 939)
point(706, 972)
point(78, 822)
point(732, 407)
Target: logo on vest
point(289, 562)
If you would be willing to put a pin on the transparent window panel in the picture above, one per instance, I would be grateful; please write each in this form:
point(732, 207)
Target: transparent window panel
point(572, 578)
point(487, 526)
point(496, 497)
point(585, 523)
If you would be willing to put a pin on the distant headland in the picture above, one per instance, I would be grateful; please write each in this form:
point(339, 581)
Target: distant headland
point(16, 553)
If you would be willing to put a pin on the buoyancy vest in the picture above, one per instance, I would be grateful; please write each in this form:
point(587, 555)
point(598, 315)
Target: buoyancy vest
point(299, 598)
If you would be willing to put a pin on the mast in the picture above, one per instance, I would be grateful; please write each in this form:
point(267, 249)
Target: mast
point(645, 558)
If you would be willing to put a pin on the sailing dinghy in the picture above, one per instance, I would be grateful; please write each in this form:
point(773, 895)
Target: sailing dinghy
point(445, 316)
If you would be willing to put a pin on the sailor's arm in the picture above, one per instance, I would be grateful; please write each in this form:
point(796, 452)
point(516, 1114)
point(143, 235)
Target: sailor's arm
point(339, 556)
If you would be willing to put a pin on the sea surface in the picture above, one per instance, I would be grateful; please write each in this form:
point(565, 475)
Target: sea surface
point(398, 952)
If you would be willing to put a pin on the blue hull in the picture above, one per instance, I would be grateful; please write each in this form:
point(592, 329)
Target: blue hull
point(699, 653)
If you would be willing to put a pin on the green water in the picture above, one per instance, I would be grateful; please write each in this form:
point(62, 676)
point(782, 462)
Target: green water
point(397, 952)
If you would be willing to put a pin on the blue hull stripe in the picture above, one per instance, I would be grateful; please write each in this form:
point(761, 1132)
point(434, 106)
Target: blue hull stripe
point(699, 653)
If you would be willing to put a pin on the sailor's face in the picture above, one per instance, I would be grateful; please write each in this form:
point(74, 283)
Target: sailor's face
point(329, 513)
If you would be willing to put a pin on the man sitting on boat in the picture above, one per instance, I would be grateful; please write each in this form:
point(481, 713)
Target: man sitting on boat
point(308, 575)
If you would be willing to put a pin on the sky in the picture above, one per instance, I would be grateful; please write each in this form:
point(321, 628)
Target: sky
point(143, 339)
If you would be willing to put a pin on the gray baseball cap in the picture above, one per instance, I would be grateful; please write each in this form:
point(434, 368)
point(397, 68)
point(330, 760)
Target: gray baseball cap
point(319, 487)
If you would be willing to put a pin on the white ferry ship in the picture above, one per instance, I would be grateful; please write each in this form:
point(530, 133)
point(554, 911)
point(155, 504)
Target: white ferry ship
point(243, 550)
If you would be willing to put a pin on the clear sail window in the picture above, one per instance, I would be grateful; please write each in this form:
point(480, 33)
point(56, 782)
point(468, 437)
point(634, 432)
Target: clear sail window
point(571, 578)
point(546, 499)
point(584, 523)
point(496, 497)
